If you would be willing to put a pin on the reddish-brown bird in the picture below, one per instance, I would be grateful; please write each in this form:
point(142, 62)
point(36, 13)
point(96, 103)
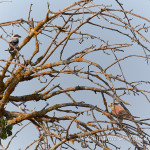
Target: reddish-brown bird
point(120, 113)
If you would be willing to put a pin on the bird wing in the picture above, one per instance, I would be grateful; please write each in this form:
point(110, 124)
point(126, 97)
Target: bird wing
point(121, 113)
point(14, 42)
point(116, 109)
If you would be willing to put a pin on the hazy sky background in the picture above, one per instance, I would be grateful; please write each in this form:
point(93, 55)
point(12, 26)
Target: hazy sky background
point(134, 68)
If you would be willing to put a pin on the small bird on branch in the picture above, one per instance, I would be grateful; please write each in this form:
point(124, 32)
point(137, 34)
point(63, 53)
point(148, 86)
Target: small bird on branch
point(120, 113)
point(13, 42)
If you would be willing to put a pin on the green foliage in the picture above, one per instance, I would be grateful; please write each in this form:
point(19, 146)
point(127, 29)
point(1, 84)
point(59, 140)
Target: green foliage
point(6, 130)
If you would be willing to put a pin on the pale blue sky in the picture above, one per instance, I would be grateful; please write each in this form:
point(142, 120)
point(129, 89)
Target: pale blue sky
point(133, 68)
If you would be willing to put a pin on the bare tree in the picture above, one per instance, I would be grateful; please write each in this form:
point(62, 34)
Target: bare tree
point(68, 125)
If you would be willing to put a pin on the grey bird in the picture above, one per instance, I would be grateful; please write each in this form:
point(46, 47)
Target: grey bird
point(14, 40)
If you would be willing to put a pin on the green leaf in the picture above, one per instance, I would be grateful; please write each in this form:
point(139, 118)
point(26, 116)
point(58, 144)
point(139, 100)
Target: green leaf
point(9, 132)
point(3, 134)
point(9, 127)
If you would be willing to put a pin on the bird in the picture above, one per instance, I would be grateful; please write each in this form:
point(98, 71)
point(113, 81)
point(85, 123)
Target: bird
point(120, 113)
point(13, 42)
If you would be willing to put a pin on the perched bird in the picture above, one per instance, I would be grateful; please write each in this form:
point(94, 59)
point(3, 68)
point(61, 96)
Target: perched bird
point(120, 113)
point(14, 40)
